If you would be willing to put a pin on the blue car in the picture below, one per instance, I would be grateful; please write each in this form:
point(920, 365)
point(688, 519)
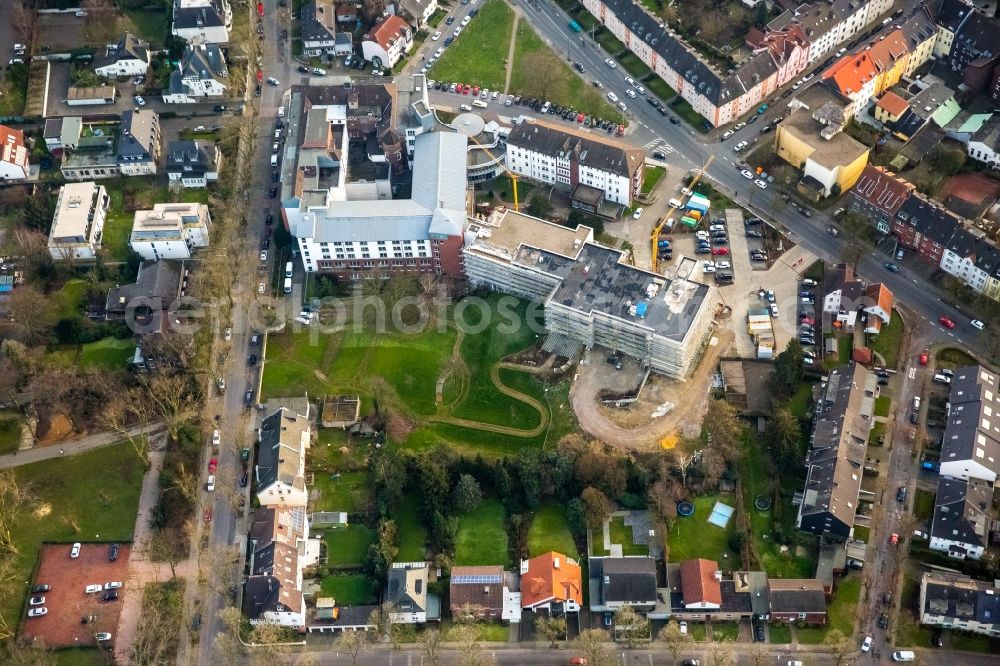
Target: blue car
point(448, 41)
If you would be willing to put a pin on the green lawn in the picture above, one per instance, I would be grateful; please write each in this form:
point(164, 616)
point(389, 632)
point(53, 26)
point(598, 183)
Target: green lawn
point(348, 546)
point(490, 632)
point(684, 109)
point(952, 358)
point(550, 531)
point(609, 42)
point(882, 405)
point(634, 65)
point(349, 589)
point(652, 178)
point(780, 633)
point(78, 657)
point(410, 532)
point(660, 88)
point(348, 492)
point(862, 533)
point(482, 536)
point(69, 299)
point(92, 496)
point(109, 353)
point(844, 346)
point(622, 534)
point(725, 631)
point(477, 57)
point(842, 612)
point(10, 433)
point(697, 631)
point(798, 404)
point(878, 430)
point(910, 633)
point(539, 72)
point(961, 640)
point(694, 537)
point(152, 25)
point(923, 505)
point(888, 340)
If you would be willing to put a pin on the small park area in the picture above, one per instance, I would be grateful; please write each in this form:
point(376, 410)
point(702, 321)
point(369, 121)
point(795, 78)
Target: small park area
point(478, 56)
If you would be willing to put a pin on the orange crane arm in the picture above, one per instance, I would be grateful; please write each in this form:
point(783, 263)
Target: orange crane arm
point(655, 238)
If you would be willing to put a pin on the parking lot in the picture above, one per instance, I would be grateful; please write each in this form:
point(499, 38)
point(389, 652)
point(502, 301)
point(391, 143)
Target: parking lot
point(67, 604)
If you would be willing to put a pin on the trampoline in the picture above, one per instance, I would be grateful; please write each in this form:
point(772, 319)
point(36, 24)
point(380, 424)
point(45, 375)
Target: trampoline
point(762, 502)
point(685, 509)
point(721, 513)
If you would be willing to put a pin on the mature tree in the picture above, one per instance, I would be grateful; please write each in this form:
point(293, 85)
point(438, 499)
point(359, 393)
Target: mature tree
point(13, 498)
point(946, 159)
point(596, 507)
point(32, 312)
point(788, 370)
point(552, 628)
point(34, 247)
point(168, 546)
point(759, 655)
point(155, 639)
point(630, 626)
point(352, 643)
point(603, 468)
point(24, 20)
point(11, 585)
point(388, 474)
point(784, 437)
point(838, 646)
point(25, 653)
point(722, 654)
point(539, 206)
point(467, 496)
point(382, 553)
point(125, 413)
point(467, 637)
point(381, 618)
point(528, 466)
point(851, 253)
point(430, 647)
point(674, 639)
point(593, 646)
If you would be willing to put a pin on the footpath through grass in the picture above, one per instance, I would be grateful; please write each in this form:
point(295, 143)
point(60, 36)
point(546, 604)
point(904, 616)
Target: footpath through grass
point(478, 55)
point(73, 498)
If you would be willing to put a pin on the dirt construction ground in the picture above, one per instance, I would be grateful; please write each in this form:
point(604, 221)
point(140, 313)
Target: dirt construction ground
point(636, 427)
point(68, 603)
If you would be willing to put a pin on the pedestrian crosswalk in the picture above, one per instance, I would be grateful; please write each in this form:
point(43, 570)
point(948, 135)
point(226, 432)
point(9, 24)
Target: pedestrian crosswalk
point(658, 144)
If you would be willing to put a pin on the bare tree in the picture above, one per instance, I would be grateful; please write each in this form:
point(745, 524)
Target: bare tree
point(168, 546)
point(23, 653)
point(674, 639)
point(33, 314)
point(155, 641)
point(125, 412)
point(592, 643)
point(630, 626)
point(24, 20)
point(759, 655)
point(10, 586)
point(172, 399)
point(467, 636)
point(430, 647)
point(99, 24)
point(13, 497)
point(838, 646)
point(722, 654)
point(552, 628)
point(352, 643)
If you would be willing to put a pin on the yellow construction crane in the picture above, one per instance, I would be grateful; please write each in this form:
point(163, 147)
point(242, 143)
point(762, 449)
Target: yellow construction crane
point(655, 238)
point(510, 174)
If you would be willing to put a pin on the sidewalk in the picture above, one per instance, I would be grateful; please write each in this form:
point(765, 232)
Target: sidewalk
point(87, 443)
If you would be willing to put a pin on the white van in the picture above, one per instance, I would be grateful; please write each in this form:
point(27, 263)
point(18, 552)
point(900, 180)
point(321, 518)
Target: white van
point(903, 655)
point(288, 269)
point(288, 285)
point(274, 159)
point(674, 203)
point(479, 103)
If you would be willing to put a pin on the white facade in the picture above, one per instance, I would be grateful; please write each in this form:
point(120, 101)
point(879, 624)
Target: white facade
point(170, 231)
point(969, 469)
point(202, 21)
point(126, 65)
point(983, 152)
point(388, 43)
point(970, 551)
point(13, 155)
point(558, 170)
point(79, 221)
point(281, 461)
point(964, 269)
point(846, 29)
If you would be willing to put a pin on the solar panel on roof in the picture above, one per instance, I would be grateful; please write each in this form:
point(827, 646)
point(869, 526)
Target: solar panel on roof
point(476, 579)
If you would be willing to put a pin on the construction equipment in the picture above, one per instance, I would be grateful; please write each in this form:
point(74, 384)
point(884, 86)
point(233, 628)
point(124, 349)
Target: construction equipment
point(654, 257)
point(510, 174)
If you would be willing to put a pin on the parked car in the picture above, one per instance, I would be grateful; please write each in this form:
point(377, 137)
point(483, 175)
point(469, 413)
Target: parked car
point(36, 601)
point(38, 612)
point(41, 588)
point(946, 321)
point(978, 324)
point(866, 645)
point(93, 587)
point(113, 552)
point(74, 551)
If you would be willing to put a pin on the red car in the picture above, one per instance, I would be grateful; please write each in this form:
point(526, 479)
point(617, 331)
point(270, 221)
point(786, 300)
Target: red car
point(720, 250)
point(924, 358)
point(894, 539)
point(213, 465)
point(208, 515)
point(580, 117)
point(260, 76)
point(475, 90)
point(621, 130)
point(467, 90)
point(260, 9)
point(808, 321)
point(946, 322)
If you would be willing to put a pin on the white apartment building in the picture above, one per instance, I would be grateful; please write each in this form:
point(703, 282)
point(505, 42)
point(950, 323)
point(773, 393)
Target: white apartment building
point(79, 221)
point(955, 601)
point(971, 258)
point(202, 21)
point(961, 522)
point(170, 230)
point(387, 42)
point(279, 472)
point(278, 549)
point(202, 73)
point(970, 448)
point(568, 158)
point(127, 57)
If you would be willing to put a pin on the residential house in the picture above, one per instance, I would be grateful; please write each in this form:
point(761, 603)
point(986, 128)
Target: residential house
point(202, 21)
point(700, 590)
point(279, 473)
point(700, 585)
point(973, 52)
point(796, 600)
point(984, 144)
point(139, 143)
point(78, 223)
point(839, 441)
point(972, 258)
point(927, 228)
point(193, 163)
point(278, 549)
point(871, 70)
point(415, 12)
point(485, 592)
point(170, 230)
point(829, 23)
point(146, 304)
point(961, 522)
point(890, 107)
point(971, 445)
point(552, 582)
point(582, 285)
point(617, 582)
point(955, 601)
point(810, 139)
point(201, 74)
point(878, 195)
point(920, 33)
point(788, 47)
point(319, 27)
point(128, 57)
point(847, 301)
point(568, 158)
point(13, 155)
point(387, 42)
point(406, 591)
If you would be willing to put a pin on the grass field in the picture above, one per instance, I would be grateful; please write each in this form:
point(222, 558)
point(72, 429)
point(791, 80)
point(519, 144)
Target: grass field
point(10, 433)
point(609, 42)
point(622, 534)
point(888, 340)
point(349, 492)
point(490, 632)
point(539, 72)
point(69, 299)
point(79, 657)
point(477, 56)
point(634, 66)
point(923, 505)
point(349, 545)
point(694, 537)
point(660, 88)
point(550, 531)
point(952, 358)
point(151, 25)
point(652, 178)
point(882, 405)
point(725, 631)
point(482, 536)
point(349, 589)
point(842, 612)
point(780, 633)
point(74, 498)
point(410, 532)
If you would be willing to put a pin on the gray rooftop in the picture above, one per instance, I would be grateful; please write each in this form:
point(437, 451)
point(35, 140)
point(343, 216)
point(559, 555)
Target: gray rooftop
point(129, 47)
point(140, 135)
point(962, 511)
point(971, 433)
point(960, 597)
point(590, 151)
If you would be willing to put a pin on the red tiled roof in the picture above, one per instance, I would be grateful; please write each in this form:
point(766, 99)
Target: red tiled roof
point(388, 31)
point(881, 295)
point(851, 72)
point(698, 582)
point(880, 188)
point(12, 147)
point(545, 580)
point(892, 103)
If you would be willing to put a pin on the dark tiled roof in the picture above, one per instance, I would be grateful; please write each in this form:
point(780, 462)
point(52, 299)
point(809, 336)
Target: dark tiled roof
point(881, 189)
point(952, 13)
point(198, 17)
point(204, 61)
point(933, 222)
point(140, 134)
point(989, 132)
point(592, 153)
point(797, 596)
point(962, 511)
point(156, 280)
point(406, 589)
point(960, 598)
point(974, 418)
point(468, 586)
point(628, 579)
point(129, 47)
point(190, 157)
